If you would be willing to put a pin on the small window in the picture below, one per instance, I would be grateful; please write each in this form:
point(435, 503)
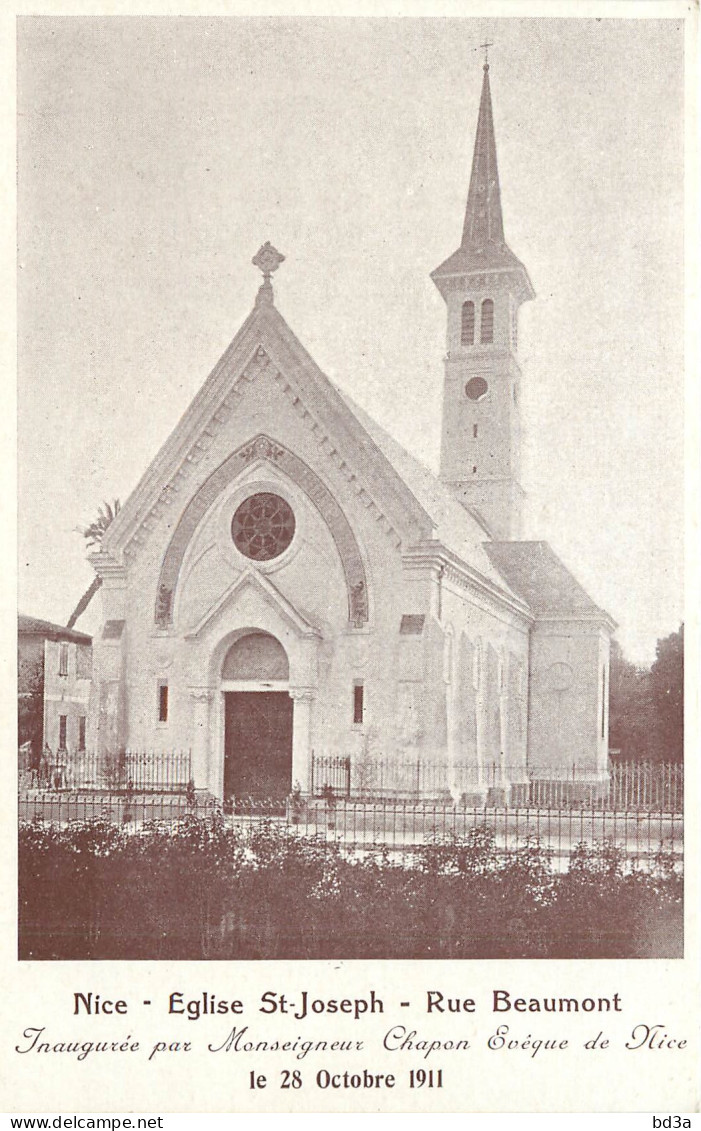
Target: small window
point(81, 732)
point(487, 323)
point(467, 329)
point(62, 726)
point(412, 624)
point(474, 431)
point(474, 469)
point(163, 702)
point(63, 659)
point(358, 703)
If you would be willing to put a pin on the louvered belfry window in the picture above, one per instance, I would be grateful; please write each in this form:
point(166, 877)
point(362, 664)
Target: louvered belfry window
point(467, 330)
point(487, 323)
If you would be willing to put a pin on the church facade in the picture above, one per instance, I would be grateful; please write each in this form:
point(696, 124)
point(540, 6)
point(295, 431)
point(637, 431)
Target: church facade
point(287, 584)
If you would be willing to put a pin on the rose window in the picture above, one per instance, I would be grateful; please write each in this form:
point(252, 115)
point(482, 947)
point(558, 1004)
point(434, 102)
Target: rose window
point(263, 527)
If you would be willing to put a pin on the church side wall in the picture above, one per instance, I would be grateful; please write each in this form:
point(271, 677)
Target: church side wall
point(485, 691)
point(568, 713)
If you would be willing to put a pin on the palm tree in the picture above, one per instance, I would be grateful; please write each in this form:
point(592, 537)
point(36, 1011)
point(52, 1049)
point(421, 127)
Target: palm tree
point(93, 535)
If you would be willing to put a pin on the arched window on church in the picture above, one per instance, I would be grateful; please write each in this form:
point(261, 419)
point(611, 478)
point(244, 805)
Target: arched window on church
point(487, 322)
point(467, 332)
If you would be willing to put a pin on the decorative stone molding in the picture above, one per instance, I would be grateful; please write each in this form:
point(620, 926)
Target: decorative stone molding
point(201, 694)
point(107, 568)
point(495, 279)
point(358, 604)
point(261, 448)
point(302, 694)
point(452, 570)
point(164, 605)
point(258, 581)
point(558, 677)
point(165, 485)
point(315, 490)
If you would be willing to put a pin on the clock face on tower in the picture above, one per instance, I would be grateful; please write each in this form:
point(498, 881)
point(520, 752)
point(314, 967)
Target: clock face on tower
point(476, 389)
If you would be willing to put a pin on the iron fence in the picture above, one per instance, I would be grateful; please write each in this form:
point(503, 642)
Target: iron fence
point(60, 807)
point(330, 772)
point(398, 825)
point(624, 786)
point(403, 824)
point(647, 785)
point(151, 771)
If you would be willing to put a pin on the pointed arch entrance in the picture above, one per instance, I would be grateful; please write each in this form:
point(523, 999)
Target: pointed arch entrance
point(258, 717)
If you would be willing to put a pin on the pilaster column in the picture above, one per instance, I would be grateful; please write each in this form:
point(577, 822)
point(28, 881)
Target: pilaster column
point(302, 737)
point(449, 682)
point(506, 754)
point(479, 681)
point(201, 735)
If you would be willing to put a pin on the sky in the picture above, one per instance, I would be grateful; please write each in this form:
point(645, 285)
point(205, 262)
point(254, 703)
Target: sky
point(156, 154)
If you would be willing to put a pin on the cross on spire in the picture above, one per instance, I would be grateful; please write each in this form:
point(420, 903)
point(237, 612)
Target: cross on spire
point(485, 47)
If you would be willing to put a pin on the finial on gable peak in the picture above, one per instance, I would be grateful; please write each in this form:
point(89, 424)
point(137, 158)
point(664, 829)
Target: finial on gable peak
point(268, 259)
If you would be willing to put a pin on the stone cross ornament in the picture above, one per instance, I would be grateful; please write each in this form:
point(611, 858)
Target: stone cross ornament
point(268, 259)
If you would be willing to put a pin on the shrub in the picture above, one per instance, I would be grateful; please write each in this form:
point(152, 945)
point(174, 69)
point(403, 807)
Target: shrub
point(200, 889)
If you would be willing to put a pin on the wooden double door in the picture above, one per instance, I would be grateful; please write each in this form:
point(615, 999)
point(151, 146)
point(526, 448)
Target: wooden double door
point(258, 744)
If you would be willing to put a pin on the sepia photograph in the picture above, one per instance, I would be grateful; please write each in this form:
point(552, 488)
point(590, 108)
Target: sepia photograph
point(351, 488)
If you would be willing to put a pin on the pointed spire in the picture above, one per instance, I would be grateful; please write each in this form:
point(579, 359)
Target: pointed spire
point(483, 219)
point(483, 247)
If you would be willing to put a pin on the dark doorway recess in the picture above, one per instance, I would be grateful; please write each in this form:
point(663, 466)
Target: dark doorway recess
point(258, 744)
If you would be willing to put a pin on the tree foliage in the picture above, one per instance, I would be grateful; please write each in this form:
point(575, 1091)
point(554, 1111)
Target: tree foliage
point(30, 704)
point(646, 708)
point(667, 683)
point(93, 535)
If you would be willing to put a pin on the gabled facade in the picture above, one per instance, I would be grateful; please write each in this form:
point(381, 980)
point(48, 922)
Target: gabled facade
point(286, 584)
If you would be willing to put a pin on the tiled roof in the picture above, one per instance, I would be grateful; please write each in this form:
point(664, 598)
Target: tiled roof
point(536, 573)
point(455, 526)
point(32, 626)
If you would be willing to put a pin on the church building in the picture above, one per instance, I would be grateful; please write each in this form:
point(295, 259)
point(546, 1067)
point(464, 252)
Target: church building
point(287, 585)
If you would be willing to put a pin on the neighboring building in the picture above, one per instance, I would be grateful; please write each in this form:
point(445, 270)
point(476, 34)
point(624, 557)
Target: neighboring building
point(286, 582)
point(54, 682)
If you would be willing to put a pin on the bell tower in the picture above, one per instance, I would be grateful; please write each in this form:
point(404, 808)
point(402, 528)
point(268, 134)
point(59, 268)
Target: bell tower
point(483, 285)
